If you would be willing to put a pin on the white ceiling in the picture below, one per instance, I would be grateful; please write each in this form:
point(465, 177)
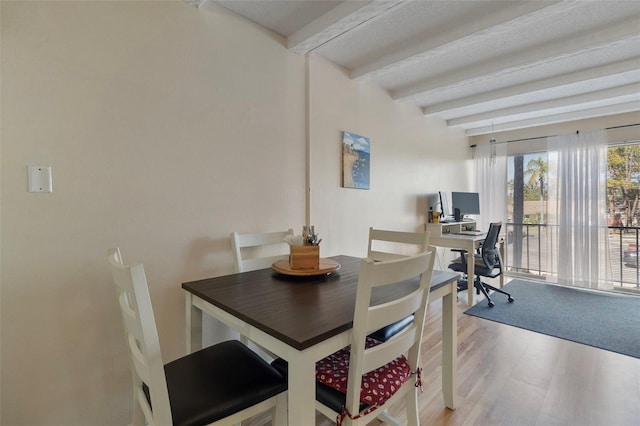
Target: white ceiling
point(481, 65)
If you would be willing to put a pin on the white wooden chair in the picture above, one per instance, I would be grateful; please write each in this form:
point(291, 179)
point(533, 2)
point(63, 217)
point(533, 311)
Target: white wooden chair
point(253, 251)
point(222, 384)
point(355, 407)
point(396, 245)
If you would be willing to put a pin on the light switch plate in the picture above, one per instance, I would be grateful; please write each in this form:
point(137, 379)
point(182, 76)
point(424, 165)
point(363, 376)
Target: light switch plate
point(40, 179)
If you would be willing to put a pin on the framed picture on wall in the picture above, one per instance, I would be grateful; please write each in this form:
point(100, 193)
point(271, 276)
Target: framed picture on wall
point(356, 159)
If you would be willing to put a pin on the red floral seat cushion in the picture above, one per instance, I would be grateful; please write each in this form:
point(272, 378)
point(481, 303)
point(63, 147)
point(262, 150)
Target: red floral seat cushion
point(377, 385)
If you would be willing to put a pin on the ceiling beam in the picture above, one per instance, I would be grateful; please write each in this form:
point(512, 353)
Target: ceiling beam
point(503, 114)
point(617, 68)
point(509, 16)
point(544, 54)
point(556, 118)
point(339, 20)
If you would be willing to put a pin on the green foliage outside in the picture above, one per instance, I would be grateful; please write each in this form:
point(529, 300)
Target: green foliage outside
point(623, 188)
point(534, 186)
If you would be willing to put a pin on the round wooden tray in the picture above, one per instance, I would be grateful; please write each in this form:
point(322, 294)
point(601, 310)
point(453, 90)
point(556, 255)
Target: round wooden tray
point(326, 266)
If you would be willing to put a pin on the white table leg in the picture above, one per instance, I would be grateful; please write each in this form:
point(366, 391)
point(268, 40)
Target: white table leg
point(193, 329)
point(449, 346)
point(302, 395)
point(501, 255)
point(471, 266)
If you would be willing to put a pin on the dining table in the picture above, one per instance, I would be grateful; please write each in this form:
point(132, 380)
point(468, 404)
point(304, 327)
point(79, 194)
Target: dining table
point(303, 319)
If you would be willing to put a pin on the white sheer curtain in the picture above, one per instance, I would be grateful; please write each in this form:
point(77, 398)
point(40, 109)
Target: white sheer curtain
point(577, 185)
point(490, 167)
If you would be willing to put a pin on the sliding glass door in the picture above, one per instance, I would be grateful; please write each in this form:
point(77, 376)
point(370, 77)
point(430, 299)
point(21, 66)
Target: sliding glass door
point(534, 243)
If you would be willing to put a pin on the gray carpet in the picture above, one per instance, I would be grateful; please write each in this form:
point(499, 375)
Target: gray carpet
point(604, 320)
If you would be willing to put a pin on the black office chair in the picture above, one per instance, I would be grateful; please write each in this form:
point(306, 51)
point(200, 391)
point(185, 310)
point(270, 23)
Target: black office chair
point(487, 263)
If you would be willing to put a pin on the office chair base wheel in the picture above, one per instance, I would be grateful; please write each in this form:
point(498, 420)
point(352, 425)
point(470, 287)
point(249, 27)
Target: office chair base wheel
point(491, 304)
point(510, 299)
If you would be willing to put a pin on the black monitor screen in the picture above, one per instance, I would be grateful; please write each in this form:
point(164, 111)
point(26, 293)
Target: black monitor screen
point(467, 202)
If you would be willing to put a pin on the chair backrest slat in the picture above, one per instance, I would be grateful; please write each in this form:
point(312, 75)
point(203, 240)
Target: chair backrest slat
point(129, 316)
point(396, 244)
point(380, 355)
point(260, 263)
point(388, 313)
point(253, 251)
point(386, 276)
point(139, 359)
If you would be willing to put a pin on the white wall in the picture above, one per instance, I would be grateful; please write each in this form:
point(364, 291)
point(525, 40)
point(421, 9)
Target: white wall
point(167, 128)
point(411, 155)
point(163, 135)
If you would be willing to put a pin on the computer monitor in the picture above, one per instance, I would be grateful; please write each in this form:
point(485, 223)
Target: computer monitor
point(465, 203)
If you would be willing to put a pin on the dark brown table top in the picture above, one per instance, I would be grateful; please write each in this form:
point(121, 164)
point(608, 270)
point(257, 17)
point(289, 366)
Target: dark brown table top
point(300, 311)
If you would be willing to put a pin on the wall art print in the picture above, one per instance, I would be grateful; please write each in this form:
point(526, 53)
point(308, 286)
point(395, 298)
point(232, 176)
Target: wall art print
point(356, 153)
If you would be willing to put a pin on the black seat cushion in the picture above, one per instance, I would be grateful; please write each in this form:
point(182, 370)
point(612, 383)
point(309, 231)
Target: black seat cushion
point(479, 268)
point(385, 333)
point(218, 381)
point(326, 395)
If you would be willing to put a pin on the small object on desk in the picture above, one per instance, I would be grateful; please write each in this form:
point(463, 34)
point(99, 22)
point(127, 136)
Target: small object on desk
point(457, 215)
point(304, 249)
point(294, 240)
point(309, 236)
point(435, 216)
point(304, 257)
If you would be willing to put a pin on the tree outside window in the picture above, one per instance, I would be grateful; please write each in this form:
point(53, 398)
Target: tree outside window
point(623, 190)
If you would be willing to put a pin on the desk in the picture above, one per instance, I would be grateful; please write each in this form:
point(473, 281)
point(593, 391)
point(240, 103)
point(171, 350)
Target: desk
point(446, 235)
point(304, 319)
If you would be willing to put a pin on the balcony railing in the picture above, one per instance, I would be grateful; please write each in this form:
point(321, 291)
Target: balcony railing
point(538, 257)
